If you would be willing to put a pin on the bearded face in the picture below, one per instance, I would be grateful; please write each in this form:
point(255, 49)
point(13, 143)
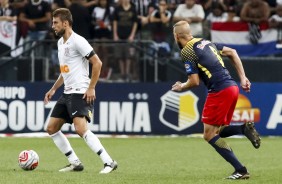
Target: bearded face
point(177, 41)
point(179, 45)
point(58, 26)
point(61, 32)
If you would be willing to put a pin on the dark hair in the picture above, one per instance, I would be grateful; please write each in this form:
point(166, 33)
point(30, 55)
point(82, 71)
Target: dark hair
point(217, 5)
point(108, 11)
point(163, 0)
point(64, 14)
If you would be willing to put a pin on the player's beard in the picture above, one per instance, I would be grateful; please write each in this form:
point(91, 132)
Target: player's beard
point(61, 32)
point(179, 45)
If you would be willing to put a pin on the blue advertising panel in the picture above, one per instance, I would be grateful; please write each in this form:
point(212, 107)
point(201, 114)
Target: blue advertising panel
point(138, 108)
point(265, 106)
point(148, 109)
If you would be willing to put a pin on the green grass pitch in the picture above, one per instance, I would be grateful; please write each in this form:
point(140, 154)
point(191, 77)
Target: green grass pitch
point(152, 160)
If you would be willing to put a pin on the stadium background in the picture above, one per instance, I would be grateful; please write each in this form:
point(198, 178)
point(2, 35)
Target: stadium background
point(142, 107)
point(145, 105)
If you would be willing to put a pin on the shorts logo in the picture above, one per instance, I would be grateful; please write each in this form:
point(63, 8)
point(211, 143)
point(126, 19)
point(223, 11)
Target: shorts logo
point(179, 110)
point(90, 114)
point(74, 113)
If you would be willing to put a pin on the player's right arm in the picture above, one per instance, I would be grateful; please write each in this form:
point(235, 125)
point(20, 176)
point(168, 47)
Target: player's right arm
point(59, 82)
point(192, 81)
point(236, 61)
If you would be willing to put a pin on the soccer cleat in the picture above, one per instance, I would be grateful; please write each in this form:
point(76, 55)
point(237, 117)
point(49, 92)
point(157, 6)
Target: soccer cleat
point(251, 133)
point(72, 167)
point(109, 167)
point(239, 176)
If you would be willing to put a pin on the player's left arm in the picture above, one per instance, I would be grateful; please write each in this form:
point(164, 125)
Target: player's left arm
point(90, 94)
point(192, 81)
point(237, 63)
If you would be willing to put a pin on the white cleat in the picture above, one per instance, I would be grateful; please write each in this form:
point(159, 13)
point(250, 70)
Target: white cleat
point(109, 167)
point(72, 167)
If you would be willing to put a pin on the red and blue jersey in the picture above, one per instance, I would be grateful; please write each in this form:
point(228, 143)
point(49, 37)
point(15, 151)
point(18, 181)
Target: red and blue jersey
point(203, 57)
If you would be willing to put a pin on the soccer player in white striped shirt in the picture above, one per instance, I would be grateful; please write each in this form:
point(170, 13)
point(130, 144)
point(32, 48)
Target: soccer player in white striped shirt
point(76, 103)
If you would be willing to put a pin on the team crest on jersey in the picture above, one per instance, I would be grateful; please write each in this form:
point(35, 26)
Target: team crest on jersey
point(187, 66)
point(179, 110)
point(67, 51)
point(203, 44)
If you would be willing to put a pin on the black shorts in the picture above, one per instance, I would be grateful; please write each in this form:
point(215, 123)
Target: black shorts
point(72, 105)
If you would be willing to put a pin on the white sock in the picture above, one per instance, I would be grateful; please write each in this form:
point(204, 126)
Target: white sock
point(64, 146)
point(94, 143)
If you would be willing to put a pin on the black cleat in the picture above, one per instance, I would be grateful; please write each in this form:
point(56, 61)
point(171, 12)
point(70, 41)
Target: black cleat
point(239, 176)
point(251, 133)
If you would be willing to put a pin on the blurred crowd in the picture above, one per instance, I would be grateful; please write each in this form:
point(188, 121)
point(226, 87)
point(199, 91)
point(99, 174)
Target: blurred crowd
point(128, 20)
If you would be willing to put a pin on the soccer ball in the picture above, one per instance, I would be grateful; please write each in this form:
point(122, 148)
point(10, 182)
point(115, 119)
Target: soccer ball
point(28, 160)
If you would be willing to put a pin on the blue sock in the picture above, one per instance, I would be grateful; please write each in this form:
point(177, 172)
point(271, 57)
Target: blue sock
point(225, 151)
point(228, 131)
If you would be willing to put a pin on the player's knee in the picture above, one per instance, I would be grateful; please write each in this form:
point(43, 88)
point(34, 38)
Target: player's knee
point(80, 125)
point(80, 130)
point(208, 135)
point(51, 129)
point(54, 125)
point(210, 131)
